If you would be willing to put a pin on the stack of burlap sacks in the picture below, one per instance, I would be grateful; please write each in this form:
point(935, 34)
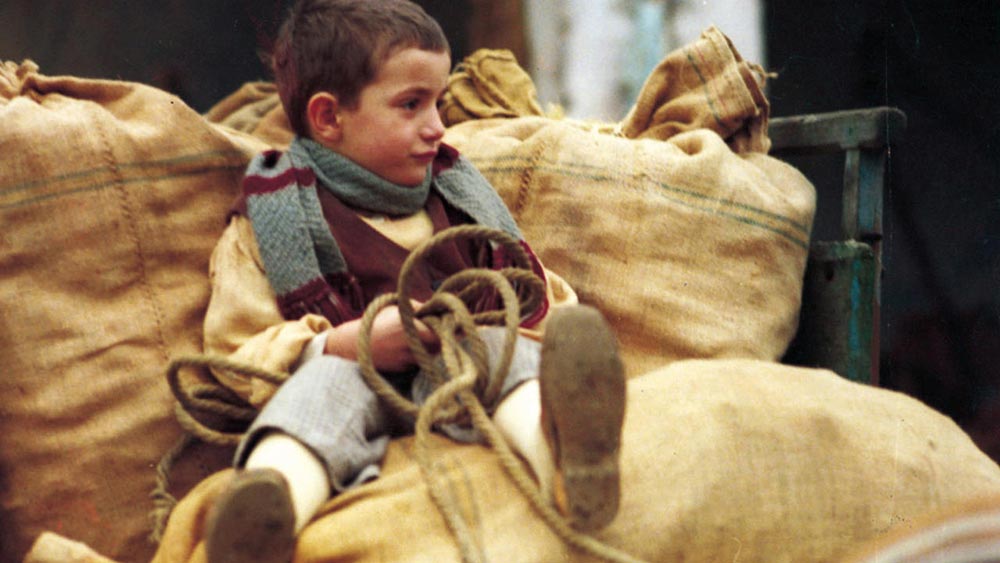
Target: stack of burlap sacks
point(674, 222)
point(110, 198)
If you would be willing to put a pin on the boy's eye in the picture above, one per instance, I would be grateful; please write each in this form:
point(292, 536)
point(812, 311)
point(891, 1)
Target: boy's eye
point(411, 104)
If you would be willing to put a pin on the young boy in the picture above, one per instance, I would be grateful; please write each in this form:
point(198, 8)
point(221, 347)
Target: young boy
point(322, 230)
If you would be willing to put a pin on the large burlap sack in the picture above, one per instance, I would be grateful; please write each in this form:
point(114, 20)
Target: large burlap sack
point(112, 196)
point(691, 248)
point(722, 460)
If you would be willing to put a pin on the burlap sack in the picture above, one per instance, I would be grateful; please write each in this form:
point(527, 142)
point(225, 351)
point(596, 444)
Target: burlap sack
point(488, 83)
point(112, 196)
point(705, 84)
point(723, 460)
point(254, 109)
point(692, 250)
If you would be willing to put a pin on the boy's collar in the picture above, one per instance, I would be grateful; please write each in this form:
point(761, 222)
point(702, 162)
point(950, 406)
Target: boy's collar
point(446, 158)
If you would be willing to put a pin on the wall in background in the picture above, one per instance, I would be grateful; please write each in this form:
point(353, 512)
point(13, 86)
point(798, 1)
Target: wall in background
point(200, 50)
point(938, 61)
point(592, 56)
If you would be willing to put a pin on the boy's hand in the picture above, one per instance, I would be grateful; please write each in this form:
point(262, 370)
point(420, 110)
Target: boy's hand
point(389, 349)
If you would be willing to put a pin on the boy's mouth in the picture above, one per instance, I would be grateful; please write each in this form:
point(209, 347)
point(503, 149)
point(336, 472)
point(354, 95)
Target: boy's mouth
point(425, 157)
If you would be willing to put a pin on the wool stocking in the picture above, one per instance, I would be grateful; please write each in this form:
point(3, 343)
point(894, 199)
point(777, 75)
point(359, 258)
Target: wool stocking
point(519, 419)
point(308, 482)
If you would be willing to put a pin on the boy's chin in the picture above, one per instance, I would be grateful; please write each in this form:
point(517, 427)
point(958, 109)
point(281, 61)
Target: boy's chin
point(412, 180)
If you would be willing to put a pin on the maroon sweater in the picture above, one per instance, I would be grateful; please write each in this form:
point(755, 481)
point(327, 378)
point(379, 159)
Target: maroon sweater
point(374, 263)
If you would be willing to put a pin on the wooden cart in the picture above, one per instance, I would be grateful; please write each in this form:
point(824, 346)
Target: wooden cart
point(839, 323)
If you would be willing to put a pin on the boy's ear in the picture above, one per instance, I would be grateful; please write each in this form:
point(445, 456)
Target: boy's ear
point(323, 116)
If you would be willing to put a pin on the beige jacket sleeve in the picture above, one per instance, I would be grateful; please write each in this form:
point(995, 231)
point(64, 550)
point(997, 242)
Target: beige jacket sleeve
point(243, 322)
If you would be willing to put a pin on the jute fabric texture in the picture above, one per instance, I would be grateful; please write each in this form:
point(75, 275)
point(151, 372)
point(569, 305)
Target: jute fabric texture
point(674, 222)
point(722, 460)
point(112, 196)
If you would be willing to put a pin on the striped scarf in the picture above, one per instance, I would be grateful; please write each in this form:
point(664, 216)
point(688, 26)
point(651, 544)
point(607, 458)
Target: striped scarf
point(301, 259)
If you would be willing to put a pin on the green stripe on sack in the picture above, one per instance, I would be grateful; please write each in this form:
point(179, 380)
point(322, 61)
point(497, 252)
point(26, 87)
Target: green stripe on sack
point(183, 159)
point(708, 95)
point(799, 233)
point(203, 165)
point(103, 185)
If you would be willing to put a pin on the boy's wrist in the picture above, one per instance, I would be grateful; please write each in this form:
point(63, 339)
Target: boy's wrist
point(338, 341)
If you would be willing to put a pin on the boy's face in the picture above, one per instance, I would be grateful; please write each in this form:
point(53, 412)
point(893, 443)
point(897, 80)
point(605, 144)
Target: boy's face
point(395, 129)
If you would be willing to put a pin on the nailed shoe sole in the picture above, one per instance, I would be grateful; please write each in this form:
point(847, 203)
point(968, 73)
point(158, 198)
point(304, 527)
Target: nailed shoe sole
point(583, 407)
point(252, 521)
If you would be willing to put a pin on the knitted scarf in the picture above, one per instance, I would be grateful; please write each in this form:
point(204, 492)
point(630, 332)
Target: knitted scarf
point(301, 259)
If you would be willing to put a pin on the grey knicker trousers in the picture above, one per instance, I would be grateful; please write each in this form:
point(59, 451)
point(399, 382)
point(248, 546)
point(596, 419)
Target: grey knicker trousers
point(327, 406)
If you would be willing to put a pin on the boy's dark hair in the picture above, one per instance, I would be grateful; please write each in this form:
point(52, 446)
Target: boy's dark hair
point(339, 45)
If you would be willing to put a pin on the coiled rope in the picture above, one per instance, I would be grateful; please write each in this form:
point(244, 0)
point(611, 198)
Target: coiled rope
point(464, 387)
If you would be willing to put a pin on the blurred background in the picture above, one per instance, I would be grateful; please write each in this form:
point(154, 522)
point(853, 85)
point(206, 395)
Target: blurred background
point(937, 60)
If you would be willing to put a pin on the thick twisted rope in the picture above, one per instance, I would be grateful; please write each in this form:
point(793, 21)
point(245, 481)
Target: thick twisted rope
point(464, 386)
point(207, 411)
point(464, 383)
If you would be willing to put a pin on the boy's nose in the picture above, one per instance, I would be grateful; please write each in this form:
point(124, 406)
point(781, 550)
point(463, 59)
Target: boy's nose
point(434, 127)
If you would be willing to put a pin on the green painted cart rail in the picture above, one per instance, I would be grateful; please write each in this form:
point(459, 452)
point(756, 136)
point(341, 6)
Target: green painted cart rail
point(841, 300)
